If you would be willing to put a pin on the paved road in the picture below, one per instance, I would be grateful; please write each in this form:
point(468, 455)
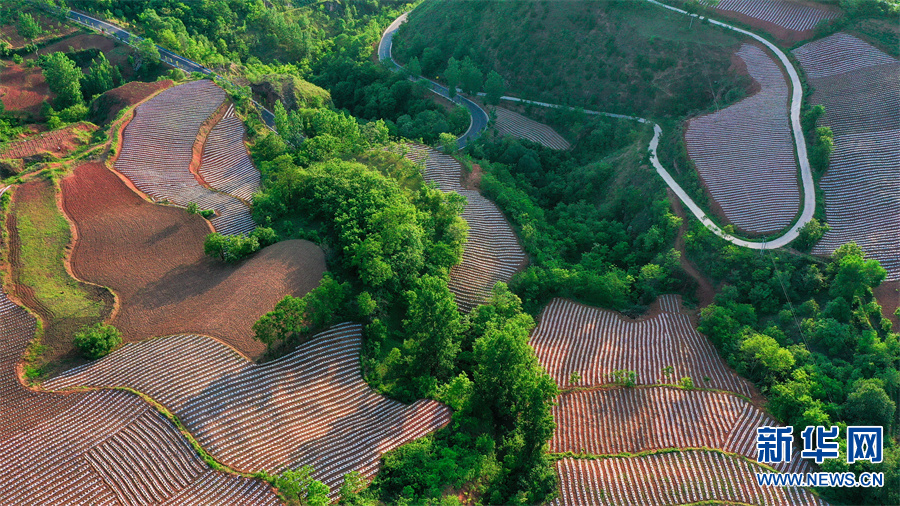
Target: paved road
point(478, 118)
point(167, 56)
point(809, 192)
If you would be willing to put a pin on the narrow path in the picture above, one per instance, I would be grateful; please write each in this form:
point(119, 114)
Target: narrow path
point(809, 201)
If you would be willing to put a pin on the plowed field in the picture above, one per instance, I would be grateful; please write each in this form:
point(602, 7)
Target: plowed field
point(152, 257)
point(23, 89)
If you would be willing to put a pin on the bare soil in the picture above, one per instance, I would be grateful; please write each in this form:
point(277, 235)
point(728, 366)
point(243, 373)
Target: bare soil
point(152, 257)
point(23, 89)
point(888, 295)
point(705, 290)
point(52, 28)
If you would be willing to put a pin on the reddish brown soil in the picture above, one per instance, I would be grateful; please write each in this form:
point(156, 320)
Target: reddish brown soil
point(108, 105)
point(888, 295)
point(705, 290)
point(116, 52)
point(58, 329)
point(152, 257)
point(23, 89)
point(58, 143)
point(472, 180)
point(50, 26)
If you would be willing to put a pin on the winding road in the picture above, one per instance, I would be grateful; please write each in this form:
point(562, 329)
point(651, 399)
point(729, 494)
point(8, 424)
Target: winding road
point(165, 55)
point(809, 200)
point(479, 118)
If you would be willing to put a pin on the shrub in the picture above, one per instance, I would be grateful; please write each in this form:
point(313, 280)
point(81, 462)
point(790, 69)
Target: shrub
point(230, 248)
point(97, 341)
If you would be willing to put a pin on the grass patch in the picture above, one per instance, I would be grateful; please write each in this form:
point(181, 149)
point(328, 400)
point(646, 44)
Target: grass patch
point(41, 236)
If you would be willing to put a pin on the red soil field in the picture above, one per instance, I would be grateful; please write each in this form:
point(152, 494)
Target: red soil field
point(110, 103)
point(102, 447)
point(116, 52)
point(58, 142)
point(23, 89)
point(152, 257)
point(50, 26)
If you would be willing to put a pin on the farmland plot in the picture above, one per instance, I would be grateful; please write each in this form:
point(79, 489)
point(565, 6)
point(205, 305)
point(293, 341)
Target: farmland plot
point(687, 477)
point(152, 258)
point(23, 89)
point(226, 165)
point(101, 447)
point(611, 421)
point(309, 407)
point(594, 343)
point(792, 16)
point(157, 150)
point(514, 124)
point(492, 252)
point(58, 142)
point(745, 152)
point(859, 86)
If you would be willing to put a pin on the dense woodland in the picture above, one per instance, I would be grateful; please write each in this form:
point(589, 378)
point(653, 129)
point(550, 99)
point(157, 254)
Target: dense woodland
point(595, 220)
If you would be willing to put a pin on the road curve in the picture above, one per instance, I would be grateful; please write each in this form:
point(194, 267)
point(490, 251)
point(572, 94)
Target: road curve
point(479, 118)
point(167, 56)
point(809, 192)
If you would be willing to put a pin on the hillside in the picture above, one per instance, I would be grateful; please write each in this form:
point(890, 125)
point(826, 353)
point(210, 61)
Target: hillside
point(625, 57)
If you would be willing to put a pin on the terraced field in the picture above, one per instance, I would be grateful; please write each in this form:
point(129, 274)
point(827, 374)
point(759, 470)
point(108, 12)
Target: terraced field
point(492, 252)
point(859, 85)
point(792, 17)
point(58, 142)
point(617, 420)
point(573, 338)
point(745, 153)
point(226, 165)
point(687, 477)
point(172, 119)
point(309, 407)
point(101, 447)
point(515, 125)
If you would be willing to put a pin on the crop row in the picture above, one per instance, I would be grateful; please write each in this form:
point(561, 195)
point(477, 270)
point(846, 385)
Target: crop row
point(839, 54)
point(594, 343)
point(492, 253)
point(687, 477)
point(100, 447)
point(59, 142)
point(745, 152)
point(226, 165)
point(516, 125)
point(309, 407)
point(611, 421)
point(793, 16)
point(858, 85)
point(172, 119)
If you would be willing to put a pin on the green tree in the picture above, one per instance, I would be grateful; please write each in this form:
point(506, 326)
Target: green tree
point(101, 77)
point(763, 360)
point(856, 277)
point(448, 143)
point(414, 68)
point(869, 404)
point(433, 328)
point(28, 28)
point(148, 53)
point(451, 75)
point(513, 393)
point(230, 248)
point(299, 488)
point(494, 88)
point(810, 235)
point(97, 340)
point(63, 78)
point(470, 76)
